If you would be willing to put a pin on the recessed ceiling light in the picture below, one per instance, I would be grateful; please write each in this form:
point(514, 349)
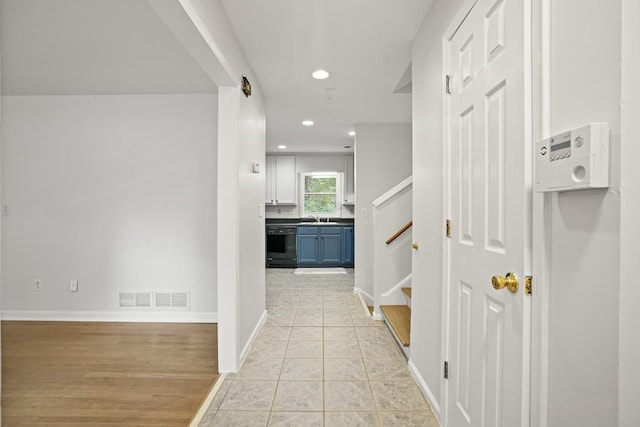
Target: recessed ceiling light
point(352, 133)
point(282, 147)
point(308, 122)
point(320, 74)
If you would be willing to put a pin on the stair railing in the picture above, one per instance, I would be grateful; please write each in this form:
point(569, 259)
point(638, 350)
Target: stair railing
point(399, 232)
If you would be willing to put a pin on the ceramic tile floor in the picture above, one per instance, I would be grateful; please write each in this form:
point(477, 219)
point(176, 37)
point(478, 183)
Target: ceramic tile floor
point(319, 361)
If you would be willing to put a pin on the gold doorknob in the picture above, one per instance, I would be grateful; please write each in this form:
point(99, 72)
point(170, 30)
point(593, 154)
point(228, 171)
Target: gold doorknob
point(415, 245)
point(510, 282)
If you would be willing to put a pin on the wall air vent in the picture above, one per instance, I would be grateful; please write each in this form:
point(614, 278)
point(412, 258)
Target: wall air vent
point(180, 300)
point(126, 300)
point(172, 300)
point(134, 299)
point(143, 299)
point(163, 300)
point(154, 300)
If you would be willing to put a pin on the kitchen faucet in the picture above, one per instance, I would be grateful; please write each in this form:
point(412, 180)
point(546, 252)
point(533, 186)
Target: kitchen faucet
point(316, 217)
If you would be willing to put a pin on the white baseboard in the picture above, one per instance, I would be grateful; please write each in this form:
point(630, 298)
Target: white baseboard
point(112, 316)
point(361, 294)
point(431, 399)
point(253, 336)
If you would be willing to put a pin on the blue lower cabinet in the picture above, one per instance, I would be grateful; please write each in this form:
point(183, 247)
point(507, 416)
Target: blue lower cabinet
point(347, 246)
point(330, 246)
point(325, 246)
point(307, 245)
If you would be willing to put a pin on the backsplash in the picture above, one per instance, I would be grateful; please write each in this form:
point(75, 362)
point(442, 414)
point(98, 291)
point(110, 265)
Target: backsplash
point(347, 211)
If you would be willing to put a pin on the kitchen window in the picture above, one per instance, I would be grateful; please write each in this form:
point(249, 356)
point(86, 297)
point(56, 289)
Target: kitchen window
point(320, 194)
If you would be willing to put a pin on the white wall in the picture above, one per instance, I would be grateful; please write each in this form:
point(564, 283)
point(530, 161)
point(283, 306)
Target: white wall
point(585, 225)
point(428, 185)
point(251, 187)
point(117, 192)
point(0, 235)
point(382, 160)
point(312, 163)
point(629, 369)
point(241, 141)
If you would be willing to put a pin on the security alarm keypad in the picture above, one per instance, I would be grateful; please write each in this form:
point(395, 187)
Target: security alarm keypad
point(560, 147)
point(574, 160)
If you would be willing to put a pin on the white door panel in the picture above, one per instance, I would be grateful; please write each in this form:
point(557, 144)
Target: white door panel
point(487, 200)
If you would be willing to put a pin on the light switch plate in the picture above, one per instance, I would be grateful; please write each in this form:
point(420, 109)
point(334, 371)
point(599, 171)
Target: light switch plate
point(255, 167)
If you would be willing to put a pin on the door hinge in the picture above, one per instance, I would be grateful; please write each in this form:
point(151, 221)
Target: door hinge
point(446, 370)
point(528, 285)
point(447, 87)
point(448, 228)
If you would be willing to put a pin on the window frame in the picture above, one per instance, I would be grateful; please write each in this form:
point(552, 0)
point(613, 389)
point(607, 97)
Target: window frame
point(337, 213)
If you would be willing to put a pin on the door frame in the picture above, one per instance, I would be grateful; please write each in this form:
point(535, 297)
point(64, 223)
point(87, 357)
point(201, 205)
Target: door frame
point(541, 214)
point(531, 15)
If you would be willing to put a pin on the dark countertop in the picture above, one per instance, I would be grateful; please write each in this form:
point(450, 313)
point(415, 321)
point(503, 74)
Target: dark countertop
point(308, 222)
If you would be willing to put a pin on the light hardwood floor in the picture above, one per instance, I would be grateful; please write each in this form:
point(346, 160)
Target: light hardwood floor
point(105, 374)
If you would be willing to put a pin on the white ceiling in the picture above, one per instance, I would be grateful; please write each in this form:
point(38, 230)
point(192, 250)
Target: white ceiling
point(365, 44)
point(92, 47)
point(122, 46)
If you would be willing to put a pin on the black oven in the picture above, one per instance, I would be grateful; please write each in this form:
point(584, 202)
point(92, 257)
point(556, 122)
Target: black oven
point(281, 246)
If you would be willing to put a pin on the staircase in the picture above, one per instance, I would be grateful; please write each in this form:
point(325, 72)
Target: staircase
point(392, 257)
point(398, 317)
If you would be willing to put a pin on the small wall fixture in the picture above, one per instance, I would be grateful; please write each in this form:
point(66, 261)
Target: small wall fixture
point(246, 87)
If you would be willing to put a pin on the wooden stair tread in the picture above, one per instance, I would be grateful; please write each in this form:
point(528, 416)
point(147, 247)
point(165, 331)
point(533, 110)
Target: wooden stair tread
point(370, 307)
point(399, 317)
point(407, 291)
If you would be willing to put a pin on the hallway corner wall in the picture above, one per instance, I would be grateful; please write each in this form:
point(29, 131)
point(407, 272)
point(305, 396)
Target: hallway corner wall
point(241, 278)
point(0, 236)
point(629, 368)
point(428, 207)
point(584, 226)
point(382, 160)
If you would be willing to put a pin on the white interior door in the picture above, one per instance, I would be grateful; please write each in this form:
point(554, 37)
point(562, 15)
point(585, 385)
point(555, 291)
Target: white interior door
point(489, 195)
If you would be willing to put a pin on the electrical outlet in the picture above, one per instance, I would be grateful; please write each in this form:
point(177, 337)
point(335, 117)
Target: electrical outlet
point(37, 285)
point(73, 286)
point(6, 210)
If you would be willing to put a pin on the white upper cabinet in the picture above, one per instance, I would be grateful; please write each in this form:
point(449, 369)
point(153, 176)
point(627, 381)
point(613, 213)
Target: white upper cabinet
point(349, 192)
point(269, 182)
point(280, 180)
